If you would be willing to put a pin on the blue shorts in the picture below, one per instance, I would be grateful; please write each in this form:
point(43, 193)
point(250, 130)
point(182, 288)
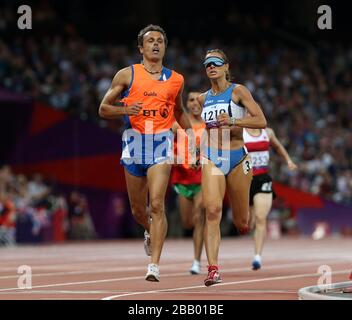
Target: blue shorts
point(141, 151)
point(226, 160)
point(140, 169)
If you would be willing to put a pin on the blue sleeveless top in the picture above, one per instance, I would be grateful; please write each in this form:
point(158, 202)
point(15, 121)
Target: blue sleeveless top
point(214, 105)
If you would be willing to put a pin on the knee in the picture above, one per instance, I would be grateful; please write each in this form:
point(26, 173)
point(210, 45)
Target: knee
point(186, 223)
point(213, 213)
point(138, 211)
point(260, 221)
point(198, 217)
point(156, 206)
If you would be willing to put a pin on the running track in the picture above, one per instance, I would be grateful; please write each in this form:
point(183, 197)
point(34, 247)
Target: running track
point(115, 270)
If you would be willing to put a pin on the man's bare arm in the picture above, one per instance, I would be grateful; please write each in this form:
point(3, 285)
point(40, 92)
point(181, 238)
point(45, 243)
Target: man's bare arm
point(180, 115)
point(110, 107)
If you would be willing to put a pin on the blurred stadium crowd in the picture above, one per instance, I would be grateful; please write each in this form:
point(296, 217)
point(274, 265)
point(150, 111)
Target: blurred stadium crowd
point(31, 211)
point(304, 89)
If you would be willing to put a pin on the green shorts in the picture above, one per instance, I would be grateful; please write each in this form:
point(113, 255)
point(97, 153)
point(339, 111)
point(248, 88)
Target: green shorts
point(188, 191)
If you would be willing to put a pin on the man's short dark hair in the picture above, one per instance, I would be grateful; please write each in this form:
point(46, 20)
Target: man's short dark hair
point(151, 27)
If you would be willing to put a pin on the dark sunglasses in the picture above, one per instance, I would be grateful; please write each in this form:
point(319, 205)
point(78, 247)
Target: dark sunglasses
point(213, 61)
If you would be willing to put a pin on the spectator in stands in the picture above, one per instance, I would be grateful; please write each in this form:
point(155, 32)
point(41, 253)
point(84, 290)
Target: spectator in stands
point(80, 224)
point(30, 207)
point(38, 191)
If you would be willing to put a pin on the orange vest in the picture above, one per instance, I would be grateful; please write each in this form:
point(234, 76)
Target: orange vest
point(158, 98)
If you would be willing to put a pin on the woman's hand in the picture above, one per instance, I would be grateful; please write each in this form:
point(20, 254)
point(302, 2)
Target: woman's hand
point(291, 165)
point(224, 120)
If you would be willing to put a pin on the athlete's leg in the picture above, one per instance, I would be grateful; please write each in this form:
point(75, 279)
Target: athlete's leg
point(261, 207)
point(198, 223)
point(213, 189)
point(251, 210)
point(158, 179)
point(186, 211)
point(137, 189)
point(238, 183)
point(251, 218)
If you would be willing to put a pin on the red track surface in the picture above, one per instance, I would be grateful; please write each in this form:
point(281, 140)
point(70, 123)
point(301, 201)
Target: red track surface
point(115, 270)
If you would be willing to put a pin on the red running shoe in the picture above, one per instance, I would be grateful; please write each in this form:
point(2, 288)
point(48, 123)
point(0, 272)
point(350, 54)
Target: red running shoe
point(351, 276)
point(243, 231)
point(213, 276)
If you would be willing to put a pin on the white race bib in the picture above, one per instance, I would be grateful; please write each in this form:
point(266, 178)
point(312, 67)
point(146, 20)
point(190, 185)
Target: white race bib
point(260, 158)
point(210, 113)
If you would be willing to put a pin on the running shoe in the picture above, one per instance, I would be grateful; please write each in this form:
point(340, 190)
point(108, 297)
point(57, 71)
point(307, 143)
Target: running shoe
point(256, 265)
point(195, 269)
point(213, 276)
point(351, 276)
point(245, 230)
point(153, 273)
point(147, 245)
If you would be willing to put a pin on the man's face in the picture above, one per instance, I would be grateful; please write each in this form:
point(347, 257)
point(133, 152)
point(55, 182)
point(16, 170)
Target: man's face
point(193, 105)
point(153, 46)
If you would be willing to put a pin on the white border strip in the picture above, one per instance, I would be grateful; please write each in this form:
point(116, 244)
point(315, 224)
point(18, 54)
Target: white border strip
point(317, 292)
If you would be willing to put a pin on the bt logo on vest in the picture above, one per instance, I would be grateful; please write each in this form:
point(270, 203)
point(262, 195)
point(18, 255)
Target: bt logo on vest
point(163, 111)
point(148, 113)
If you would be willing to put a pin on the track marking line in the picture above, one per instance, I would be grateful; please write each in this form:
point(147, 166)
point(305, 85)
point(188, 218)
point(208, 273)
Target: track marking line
point(115, 269)
point(231, 270)
point(126, 292)
point(164, 267)
point(306, 275)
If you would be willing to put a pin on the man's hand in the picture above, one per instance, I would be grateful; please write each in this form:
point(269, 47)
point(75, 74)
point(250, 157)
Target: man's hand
point(197, 164)
point(193, 152)
point(133, 109)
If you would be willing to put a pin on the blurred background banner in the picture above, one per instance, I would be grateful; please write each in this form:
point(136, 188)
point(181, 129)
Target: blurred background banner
point(60, 176)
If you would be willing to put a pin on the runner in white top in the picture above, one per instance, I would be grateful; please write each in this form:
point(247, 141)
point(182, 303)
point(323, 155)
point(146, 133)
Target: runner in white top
point(257, 142)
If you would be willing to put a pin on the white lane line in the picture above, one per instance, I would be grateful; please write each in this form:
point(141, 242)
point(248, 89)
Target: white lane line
point(126, 292)
point(288, 265)
point(77, 294)
point(89, 265)
point(65, 292)
point(115, 269)
point(164, 267)
point(273, 267)
point(76, 298)
point(306, 275)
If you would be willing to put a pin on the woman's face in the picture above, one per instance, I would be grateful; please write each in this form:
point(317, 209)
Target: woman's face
point(213, 68)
